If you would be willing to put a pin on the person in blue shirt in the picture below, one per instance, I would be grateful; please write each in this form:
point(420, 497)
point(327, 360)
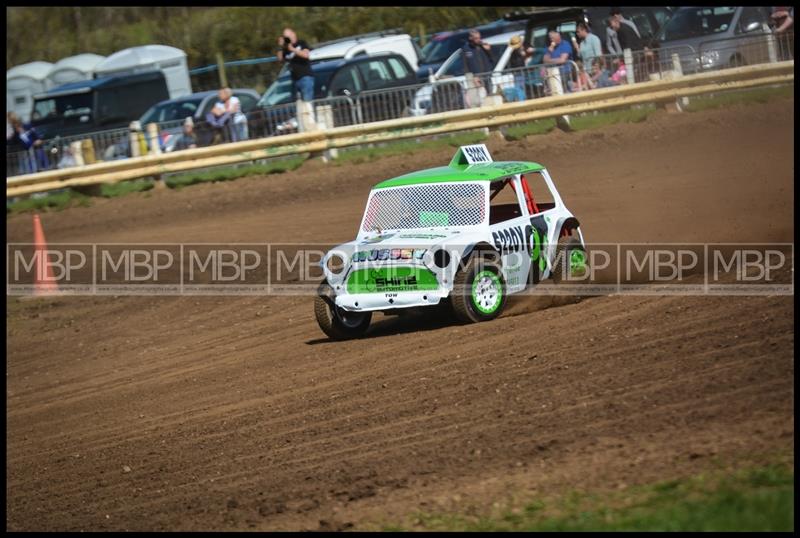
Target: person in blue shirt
point(560, 53)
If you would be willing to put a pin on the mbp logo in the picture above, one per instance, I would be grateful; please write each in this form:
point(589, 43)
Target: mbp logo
point(221, 265)
point(42, 264)
point(134, 265)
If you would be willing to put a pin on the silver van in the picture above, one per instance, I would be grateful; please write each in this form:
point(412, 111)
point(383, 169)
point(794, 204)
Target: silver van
point(709, 38)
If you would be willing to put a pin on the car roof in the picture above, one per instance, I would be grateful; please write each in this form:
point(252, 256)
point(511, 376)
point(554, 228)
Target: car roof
point(494, 171)
point(203, 95)
point(96, 83)
point(499, 39)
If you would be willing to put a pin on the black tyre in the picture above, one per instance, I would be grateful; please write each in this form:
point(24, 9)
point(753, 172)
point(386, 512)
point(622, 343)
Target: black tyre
point(479, 290)
point(338, 323)
point(570, 258)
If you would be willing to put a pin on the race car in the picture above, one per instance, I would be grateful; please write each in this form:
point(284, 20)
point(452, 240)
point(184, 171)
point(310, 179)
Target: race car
point(470, 233)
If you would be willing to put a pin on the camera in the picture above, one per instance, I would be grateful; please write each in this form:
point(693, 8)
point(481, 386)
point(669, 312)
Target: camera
point(286, 40)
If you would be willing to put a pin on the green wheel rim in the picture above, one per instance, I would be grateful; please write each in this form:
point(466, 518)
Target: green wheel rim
point(487, 292)
point(577, 261)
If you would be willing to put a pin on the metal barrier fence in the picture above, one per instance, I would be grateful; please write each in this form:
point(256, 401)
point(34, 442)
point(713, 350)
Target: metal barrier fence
point(448, 94)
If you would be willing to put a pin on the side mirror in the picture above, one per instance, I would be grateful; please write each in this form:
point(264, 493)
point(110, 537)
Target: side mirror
point(752, 27)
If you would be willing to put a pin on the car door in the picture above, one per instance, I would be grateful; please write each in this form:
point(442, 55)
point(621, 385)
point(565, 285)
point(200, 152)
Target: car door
point(346, 84)
point(511, 232)
point(377, 100)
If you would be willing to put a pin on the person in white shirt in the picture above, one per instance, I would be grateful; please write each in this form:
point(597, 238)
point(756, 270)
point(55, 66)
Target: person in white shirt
point(233, 107)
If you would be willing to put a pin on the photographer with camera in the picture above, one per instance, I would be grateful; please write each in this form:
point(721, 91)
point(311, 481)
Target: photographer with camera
point(296, 53)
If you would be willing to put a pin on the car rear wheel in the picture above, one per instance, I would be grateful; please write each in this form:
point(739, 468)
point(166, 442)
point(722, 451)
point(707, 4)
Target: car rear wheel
point(570, 260)
point(479, 291)
point(336, 322)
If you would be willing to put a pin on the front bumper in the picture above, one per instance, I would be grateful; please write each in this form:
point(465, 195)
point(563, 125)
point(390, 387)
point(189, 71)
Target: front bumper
point(365, 302)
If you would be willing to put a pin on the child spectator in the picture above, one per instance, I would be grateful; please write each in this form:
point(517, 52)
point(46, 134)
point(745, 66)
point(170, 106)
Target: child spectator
point(600, 78)
point(187, 139)
point(620, 75)
point(583, 82)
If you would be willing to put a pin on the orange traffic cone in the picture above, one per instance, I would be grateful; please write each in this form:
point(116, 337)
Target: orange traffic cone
point(44, 282)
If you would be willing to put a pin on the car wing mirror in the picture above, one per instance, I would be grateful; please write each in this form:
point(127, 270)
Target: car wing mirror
point(752, 27)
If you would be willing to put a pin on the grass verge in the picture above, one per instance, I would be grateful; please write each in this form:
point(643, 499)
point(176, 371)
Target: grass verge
point(56, 201)
point(228, 174)
point(757, 95)
point(537, 127)
point(753, 499)
point(368, 154)
point(53, 201)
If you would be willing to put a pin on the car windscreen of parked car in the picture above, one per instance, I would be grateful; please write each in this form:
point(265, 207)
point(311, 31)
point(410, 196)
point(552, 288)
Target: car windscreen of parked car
point(456, 67)
point(697, 22)
point(171, 111)
point(440, 48)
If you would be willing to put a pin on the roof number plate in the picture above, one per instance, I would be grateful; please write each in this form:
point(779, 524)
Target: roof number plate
point(476, 154)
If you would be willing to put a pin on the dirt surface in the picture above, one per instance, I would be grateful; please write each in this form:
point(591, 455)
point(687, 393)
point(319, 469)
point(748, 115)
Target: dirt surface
point(148, 413)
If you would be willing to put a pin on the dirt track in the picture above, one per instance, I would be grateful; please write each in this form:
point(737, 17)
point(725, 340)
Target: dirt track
point(236, 413)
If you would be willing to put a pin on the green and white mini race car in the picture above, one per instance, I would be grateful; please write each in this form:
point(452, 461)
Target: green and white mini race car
point(470, 233)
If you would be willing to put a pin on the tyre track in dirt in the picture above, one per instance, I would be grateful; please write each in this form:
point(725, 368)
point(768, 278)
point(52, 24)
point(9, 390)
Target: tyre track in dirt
point(235, 413)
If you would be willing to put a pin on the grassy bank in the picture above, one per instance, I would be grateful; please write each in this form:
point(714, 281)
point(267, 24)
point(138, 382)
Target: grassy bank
point(752, 499)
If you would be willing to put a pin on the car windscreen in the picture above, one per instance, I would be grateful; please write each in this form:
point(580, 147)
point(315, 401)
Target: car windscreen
point(66, 106)
point(697, 22)
point(171, 111)
point(438, 50)
point(433, 205)
point(456, 67)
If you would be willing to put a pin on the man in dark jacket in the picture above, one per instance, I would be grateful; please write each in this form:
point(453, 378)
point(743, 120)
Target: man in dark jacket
point(627, 36)
point(477, 54)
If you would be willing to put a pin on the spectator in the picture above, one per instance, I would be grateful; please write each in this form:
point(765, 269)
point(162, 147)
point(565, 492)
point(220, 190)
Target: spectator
point(590, 46)
point(516, 61)
point(218, 120)
point(477, 54)
point(295, 52)
point(234, 107)
point(26, 138)
point(612, 37)
point(627, 37)
point(187, 139)
point(620, 75)
point(600, 78)
point(11, 118)
point(782, 20)
point(583, 82)
point(559, 52)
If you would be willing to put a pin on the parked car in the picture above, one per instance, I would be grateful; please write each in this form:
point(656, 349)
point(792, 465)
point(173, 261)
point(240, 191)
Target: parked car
point(95, 105)
point(174, 111)
point(345, 78)
point(443, 44)
point(171, 114)
point(707, 38)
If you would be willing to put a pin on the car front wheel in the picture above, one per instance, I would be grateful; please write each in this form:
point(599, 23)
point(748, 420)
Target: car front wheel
point(479, 291)
point(336, 322)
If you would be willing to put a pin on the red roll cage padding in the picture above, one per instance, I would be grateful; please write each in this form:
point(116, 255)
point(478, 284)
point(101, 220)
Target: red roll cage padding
point(532, 207)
